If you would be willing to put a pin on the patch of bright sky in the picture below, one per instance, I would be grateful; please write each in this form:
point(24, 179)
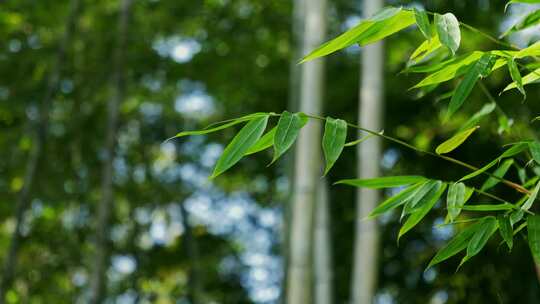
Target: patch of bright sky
point(179, 49)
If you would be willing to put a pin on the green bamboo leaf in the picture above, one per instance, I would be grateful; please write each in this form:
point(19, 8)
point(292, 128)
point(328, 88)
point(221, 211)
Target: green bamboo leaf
point(418, 196)
point(360, 140)
point(516, 76)
point(334, 137)
point(455, 141)
point(288, 127)
point(500, 172)
point(425, 49)
point(515, 149)
point(448, 31)
point(425, 206)
point(227, 124)
point(383, 182)
point(422, 20)
point(530, 20)
point(532, 51)
point(456, 245)
point(486, 110)
point(265, 142)
point(506, 230)
point(394, 201)
point(528, 204)
point(533, 233)
point(450, 70)
point(487, 227)
point(240, 144)
point(381, 25)
point(482, 67)
point(455, 199)
point(534, 148)
point(527, 79)
point(489, 207)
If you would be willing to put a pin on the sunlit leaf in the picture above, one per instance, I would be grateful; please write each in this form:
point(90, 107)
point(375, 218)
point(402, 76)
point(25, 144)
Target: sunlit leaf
point(455, 199)
point(428, 201)
point(422, 20)
point(383, 182)
point(288, 127)
point(533, 233)
point(448, 31)
point(500, 172)
point(489, 207)
point(214, 128)
point(532, 197)
point(265, 142)
point(240, 144)
point(506, 230)
point(334, 137)
point(527, 79)
point(455, 141)
point(448, 70)
point(394, 201)
point(468, 82)
point(486, 110)
point(516, 76)
point(456, 245)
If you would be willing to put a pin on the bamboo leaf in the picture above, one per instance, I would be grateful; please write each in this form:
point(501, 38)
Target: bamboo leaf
point(265, 142)
point(534, 148)
point(455, 141)
point(486, 110)
point(334, 137)
point(425, 49)
point(500, 172)
point(480, 68)
point(394, 201)
point(288, 127)
point(506, 230)
point(516, 76)
point(527, 79)
point(383, 182)
point(381, 25)
point(487, 227)
point(455, 199)
point(456, 245)
point(533, 233)
point(489, 207)
point(425, 206)
point(530, 20)
point(418, 196)
point(528, 204)
point(213, 128)
point(240, 144)
point(448, 31)
point(422, 20)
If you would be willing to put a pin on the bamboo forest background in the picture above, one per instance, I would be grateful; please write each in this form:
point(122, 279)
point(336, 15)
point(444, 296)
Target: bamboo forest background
point(96, 207)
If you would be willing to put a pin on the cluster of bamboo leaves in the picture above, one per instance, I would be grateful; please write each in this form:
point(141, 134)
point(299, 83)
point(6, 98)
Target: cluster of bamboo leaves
point(437, 57)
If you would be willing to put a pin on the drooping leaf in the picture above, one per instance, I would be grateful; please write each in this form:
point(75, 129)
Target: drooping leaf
point(334, 137)
point(214, 128)
point(394, 201)
point(527, 79)
point(288, 127)
point(422, 20)
point(506, 230)
point(448, 31)
point(428, 201)
point(489, 207)
point(240, 144)
point(487, 227)
point(381, 25)
point(500, 172)
point(455, 199)
point(464, 88)
point(486, 110)
point(534, 148)
point(516, 76)
point(265, 142)
point(528, 204)
point(383, 182)
point(533, 234)
point(455, 141)
point(456, 245)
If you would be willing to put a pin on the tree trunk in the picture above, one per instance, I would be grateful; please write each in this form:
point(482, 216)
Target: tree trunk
point(308, 160)
point(322, 247)
point(192, 252)
point(36, 153)
point(101, 260)
point(369, 155)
